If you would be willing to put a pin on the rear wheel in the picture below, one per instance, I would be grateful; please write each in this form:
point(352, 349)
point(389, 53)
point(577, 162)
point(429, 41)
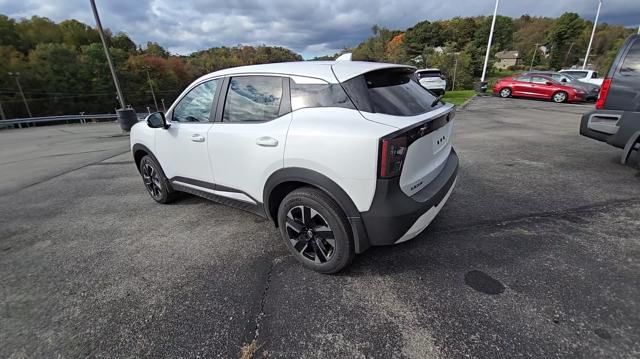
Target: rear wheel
point(505, 92)
point(315, 230)
point(559, 97)
point(155, 181)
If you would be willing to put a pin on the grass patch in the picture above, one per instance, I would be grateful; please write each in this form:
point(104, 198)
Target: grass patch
point(458, 97)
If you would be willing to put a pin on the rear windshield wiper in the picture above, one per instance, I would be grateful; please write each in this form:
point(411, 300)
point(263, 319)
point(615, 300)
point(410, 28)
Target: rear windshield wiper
point(438, 99)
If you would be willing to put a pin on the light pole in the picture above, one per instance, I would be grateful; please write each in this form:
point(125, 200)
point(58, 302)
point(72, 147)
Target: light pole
point(455, 69)
point(106, 52)
point(486, 57)
point(146, 68)
point(16, 75)
point(593, 32)
point(164, 109)
point(126, 117)
point(535, 51)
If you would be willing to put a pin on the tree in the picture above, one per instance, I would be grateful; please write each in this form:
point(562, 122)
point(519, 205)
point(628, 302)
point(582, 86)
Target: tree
point(564, 31)
point(424, 34)
point(38, 30)
point(77, 34)
point(8, 33)
point(154, 49)
point(122, 41)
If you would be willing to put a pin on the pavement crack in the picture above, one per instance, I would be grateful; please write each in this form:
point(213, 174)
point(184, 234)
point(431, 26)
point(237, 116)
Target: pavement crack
point(263, 299)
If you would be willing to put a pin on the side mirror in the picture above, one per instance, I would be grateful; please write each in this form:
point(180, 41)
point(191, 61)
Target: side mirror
point(563, 80)
point(157, 120)
point(549, 83)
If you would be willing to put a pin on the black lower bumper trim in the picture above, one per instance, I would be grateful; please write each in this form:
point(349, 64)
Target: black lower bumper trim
point(392, 212)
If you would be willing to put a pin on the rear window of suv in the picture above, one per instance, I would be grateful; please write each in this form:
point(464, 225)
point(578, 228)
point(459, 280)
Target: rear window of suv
point(578, 74)
point(389, 91)
point(423, 74)
point(631, 64)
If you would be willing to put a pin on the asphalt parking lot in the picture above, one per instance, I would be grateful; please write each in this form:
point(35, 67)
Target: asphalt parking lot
point(536, 254)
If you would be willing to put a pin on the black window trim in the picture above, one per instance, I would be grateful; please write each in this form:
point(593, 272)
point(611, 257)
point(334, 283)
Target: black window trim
point(618, 70)
point(169, 114)
point(285, 103)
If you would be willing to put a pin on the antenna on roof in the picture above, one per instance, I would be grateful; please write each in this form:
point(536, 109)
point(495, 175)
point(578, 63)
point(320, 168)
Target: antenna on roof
point(344, 57)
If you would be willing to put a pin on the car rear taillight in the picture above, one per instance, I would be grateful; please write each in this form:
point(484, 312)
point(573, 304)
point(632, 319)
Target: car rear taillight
point(604, 91)
point(392, 153)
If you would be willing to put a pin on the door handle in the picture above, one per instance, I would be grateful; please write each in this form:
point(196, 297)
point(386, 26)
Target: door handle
point(197, 138)
point(266, 141)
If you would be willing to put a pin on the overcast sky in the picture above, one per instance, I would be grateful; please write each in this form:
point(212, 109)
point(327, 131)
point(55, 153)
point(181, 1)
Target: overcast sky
point(315, 27)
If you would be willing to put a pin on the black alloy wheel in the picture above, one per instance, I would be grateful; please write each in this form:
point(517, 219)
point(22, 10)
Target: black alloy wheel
point(310, 234)
point(151, 181)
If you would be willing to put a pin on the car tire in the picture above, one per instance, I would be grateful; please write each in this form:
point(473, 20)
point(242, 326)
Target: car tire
point(505, 92)
point(559, 97)
point(155, 181)
point(316, 230)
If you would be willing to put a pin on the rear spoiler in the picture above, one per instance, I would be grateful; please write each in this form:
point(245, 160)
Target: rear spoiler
point(346, 70)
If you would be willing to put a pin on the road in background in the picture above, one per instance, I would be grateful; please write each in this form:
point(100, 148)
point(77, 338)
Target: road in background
point(536, 254)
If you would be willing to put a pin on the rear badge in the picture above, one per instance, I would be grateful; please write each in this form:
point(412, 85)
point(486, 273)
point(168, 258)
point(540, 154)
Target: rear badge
point(417, 185)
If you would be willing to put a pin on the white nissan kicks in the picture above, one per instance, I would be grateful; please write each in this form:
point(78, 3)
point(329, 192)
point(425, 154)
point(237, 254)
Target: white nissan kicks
point(339, 155)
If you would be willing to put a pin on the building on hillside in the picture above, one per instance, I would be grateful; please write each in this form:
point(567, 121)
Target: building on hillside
point(507, 59)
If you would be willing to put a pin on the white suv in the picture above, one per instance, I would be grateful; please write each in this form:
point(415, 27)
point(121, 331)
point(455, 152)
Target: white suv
point(587, 76)
point(339, 155)
point(432, 79)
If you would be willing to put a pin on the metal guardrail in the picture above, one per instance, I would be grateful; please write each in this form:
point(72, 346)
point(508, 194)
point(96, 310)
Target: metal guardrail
point(81, 118)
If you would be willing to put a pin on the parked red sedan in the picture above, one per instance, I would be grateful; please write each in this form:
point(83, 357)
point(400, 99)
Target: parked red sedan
point(537, 86)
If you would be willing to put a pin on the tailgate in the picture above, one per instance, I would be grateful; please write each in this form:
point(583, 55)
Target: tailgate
point(429, 139)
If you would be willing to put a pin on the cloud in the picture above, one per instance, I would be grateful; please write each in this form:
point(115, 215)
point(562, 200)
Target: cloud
point(309, 27)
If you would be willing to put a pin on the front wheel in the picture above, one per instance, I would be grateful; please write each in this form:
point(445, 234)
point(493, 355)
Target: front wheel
point(505, 92)
point(315, 230)
point(559, 97)
point(155, 181)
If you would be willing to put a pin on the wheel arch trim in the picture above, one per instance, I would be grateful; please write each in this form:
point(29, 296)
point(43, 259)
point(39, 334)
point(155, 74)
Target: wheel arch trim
point(328, 186)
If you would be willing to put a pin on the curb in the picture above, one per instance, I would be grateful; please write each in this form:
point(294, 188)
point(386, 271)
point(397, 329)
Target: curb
point(466, 103)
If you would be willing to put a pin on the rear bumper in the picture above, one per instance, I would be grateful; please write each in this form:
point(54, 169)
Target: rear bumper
point(395, 217)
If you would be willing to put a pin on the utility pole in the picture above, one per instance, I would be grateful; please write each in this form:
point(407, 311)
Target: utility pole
point(593, 32)
point(106, 52)
point(486, 58)
point(535, 51)
point(164, 109)
point(146, 68)
point(16, 75)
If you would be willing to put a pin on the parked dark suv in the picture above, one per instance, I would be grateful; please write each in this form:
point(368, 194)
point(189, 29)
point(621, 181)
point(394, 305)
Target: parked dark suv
point(616, 119)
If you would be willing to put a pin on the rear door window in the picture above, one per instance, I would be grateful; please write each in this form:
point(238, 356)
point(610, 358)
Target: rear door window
point(631, 64)
point(389, 91)
point(578, 74)
point(253, 98)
